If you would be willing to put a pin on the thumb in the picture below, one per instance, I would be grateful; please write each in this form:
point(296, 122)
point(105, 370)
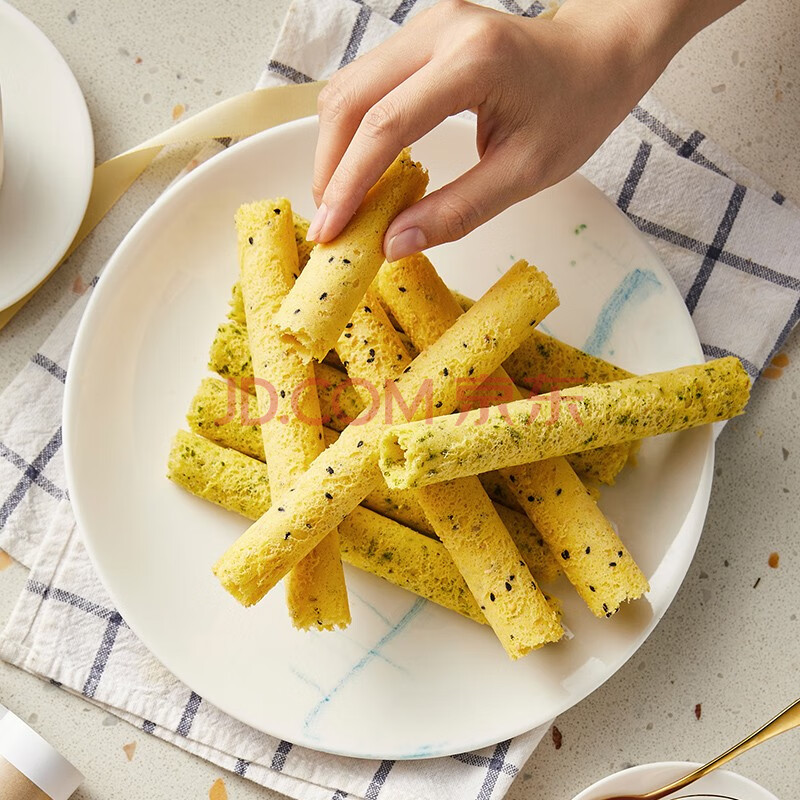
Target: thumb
point(451, 212)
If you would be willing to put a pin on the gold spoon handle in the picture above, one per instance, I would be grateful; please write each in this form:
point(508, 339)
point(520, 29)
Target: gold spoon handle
point(788, 718)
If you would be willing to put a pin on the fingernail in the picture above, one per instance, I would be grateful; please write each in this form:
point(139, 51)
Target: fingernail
point(403, 244)
point(316, 224)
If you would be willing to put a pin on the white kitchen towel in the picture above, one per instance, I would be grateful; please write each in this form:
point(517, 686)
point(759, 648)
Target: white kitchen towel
point(728, 240)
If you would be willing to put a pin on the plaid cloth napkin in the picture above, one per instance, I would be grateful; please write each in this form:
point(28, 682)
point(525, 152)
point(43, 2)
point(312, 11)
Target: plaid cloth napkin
point(729, 242)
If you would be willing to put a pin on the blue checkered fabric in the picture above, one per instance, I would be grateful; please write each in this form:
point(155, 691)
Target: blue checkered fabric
point(730, 243)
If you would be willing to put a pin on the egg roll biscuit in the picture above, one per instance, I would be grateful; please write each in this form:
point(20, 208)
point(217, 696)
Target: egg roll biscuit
point(543, 363)
point(367, 346)
point(222, 413)
point(367, 540)
point(339, 272)
point(288, 406)
point(602, 413)
point(460, 512)
point(549, 492)
point(236, 302)
point(216, 413)
point(230, 358)
point(344, 474)
point(339, 399)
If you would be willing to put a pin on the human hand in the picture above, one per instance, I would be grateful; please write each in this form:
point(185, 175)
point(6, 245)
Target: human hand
point(546, 92)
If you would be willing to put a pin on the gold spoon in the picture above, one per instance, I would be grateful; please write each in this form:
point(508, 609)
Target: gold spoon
point(788, 718)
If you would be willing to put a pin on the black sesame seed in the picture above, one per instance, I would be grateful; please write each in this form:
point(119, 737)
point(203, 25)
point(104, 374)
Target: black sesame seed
point(399, 356)
point(491, 596)
point(612, 563)
point(323, 295)
point(592, 589)
point(483, 608)
point(308, 525)
point(565, 554)
point(508, 586)
point(349, 325)
point(281, 508)
point(295, 275)
point(368, 309)
point(445, 372)
point(287, 535)
point(511, 577)
point(609, 615)
point(329, 470)
point(276, 210)
point(370, 359)
point(588, 550)
point(438, 404)
point(297, 311)
point(401, 288)
point(558, 492)
point(605, 607)
point(330, 259)
point(464, 344)
point(348, 335)
point(522, 563)
point(329, 495)
point(533, 322)
point(346, 260)
point(531, 498)
point(250, 239)
point(512, 478)
point(471, 370)
point(407, 369)
point(360, 444)
point(619, 553)
point(372, 351)
point(283, 393)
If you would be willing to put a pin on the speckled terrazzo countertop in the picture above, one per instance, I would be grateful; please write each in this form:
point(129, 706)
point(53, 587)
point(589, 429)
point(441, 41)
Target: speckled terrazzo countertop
point(726, 655)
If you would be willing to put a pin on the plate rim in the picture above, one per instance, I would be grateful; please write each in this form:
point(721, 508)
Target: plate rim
point(84, 121)
point(684, 766)
point(699, 504)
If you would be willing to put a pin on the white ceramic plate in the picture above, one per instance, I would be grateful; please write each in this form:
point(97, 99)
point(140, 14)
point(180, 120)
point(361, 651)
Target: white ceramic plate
point(407, 679)
point(49, 156)
point(647, 777)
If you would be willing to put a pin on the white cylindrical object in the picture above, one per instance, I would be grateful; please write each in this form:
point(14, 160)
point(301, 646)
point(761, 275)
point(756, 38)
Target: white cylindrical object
point(24, 752)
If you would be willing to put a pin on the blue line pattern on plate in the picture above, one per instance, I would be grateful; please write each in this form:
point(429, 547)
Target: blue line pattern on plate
point(369, 656)
point(636, 285)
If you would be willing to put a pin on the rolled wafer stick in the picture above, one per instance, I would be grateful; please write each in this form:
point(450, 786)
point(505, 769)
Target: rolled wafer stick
point(549, 492)
point(461, 513)
point(316, 595)
point(484, 439)
point(339, 400)
point(339, 272)
point(543, 363)
point(348, 471)
point(368, 541)
point(220, 412)
point(370, 349)
point(304, 247)
point(230, 357)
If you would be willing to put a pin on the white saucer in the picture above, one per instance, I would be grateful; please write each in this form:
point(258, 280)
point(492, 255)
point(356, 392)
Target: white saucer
point(49, 156)
point(647, 777)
